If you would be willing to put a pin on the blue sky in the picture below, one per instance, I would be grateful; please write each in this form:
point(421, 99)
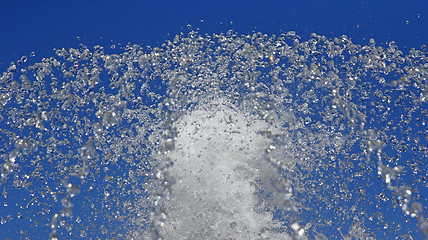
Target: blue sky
point(41, 26)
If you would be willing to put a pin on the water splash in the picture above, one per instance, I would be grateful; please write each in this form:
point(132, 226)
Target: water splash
point(216, 137)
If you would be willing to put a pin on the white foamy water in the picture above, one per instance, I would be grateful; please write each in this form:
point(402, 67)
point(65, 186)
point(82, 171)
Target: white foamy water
point(219, 155)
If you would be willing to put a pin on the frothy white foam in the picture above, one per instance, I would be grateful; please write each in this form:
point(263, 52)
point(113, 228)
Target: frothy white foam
point(218, 155)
